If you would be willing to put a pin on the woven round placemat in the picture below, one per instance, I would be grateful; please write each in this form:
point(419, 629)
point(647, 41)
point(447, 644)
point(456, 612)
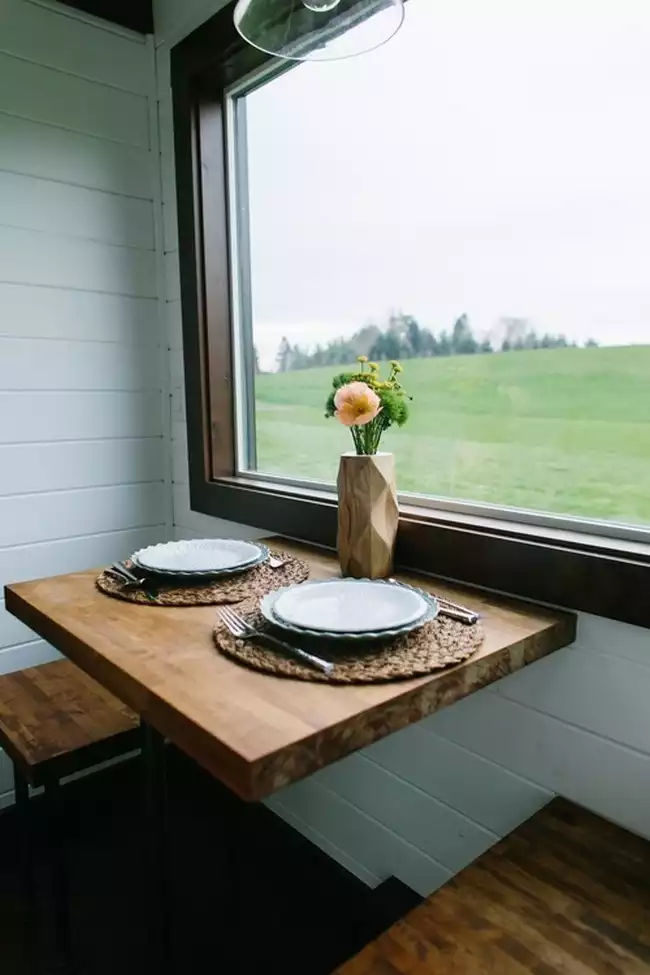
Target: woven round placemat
point(441, 643)
point(254, 583)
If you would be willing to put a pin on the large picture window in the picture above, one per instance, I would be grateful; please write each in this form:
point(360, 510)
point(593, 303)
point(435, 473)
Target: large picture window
point(473, 200)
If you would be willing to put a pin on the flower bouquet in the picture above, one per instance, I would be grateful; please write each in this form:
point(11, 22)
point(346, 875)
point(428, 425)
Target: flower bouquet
point(367, 490)
point(367, 404)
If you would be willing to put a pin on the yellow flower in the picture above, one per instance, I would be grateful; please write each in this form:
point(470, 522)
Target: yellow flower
point(362, 358)
point(356, 404)
point(374, 366)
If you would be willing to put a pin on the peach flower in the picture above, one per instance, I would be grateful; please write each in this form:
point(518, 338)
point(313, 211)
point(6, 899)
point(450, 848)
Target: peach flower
point(356, 404)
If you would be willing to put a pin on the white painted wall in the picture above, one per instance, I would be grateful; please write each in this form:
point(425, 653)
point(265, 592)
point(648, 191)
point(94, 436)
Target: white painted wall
point(423, 803)
point(83, 456)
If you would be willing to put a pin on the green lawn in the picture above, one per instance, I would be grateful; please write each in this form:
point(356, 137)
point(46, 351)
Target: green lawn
point(563, 430)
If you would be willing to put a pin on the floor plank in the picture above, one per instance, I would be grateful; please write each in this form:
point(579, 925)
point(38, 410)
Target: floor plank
point(565, 894)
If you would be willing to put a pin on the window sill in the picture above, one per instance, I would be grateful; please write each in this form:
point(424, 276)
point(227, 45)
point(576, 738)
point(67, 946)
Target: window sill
point(604, 576)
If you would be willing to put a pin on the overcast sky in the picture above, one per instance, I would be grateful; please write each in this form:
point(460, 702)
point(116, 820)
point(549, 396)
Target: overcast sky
point(493, 158)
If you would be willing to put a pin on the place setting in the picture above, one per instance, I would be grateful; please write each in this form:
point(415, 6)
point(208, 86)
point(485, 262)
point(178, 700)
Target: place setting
point(348, 631)
point(201, 572)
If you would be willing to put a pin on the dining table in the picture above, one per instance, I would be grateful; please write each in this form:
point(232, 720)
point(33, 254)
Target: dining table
point(254, 732)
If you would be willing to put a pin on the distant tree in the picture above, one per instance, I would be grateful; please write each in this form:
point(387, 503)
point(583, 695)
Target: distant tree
point(445, 346)
point(415, 337)
point(365, 338)
point(462, 338)
point(429, 343)
point(514, 332)
point(284, 358)
point(591, 344)
point(387, 346)
point(256, 361)
point(485, 346)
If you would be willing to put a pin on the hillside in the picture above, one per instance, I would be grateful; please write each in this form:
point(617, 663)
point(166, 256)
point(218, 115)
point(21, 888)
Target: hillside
point(565, 430)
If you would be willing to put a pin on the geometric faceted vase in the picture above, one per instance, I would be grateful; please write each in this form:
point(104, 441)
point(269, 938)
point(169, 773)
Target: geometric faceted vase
point(368, 515)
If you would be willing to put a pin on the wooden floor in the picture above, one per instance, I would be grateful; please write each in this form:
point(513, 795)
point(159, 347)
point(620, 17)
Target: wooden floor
point(565, 894)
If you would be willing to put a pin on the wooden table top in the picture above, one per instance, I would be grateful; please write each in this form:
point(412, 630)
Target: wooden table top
point(254, 732)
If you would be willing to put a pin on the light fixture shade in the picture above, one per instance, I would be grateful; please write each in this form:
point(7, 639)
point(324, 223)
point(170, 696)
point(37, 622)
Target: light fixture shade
point(318, 30)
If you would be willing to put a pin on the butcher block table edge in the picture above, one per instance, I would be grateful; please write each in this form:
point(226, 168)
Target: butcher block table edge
point(379, 710)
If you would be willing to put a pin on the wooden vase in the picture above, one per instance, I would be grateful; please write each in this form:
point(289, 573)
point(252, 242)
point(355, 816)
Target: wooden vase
point(368, 515)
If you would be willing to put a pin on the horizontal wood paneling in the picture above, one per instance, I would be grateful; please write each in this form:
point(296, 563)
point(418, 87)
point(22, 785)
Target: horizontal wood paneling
point(12, 631)
point(172, 278)
point(186, 520)
point(47, 95)
point(48, 364)
point(434, 828)
point(70, 554)
point(615, 639)
point(180, 474)
point(325, 844)
point(28, 468)
point(178, 405)
point(53, 313)
point(41, 417)
point(37, 517)
point(56, 39)
point(37, 149)
point(381, 851)
point(53, 207)
point(28, 257)
point(589, 769)
point(605, 695)
point(484, 791)
point(176, 370)
point(174, 325)
point(26, 655)
point(82, 455)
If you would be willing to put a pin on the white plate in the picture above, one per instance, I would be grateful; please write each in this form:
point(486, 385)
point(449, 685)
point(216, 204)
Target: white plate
point(350, 606)
point(268, 602)
point(200, 556)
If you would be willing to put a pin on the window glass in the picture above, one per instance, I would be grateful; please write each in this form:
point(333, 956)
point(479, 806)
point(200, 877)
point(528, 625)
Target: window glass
point(472, 199)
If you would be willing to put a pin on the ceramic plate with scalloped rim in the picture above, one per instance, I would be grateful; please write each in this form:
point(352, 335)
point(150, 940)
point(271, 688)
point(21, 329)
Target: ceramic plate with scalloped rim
point(351, 606)
point(201, 556)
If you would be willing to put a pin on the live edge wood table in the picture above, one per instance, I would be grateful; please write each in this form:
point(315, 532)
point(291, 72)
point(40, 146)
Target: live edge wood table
point(253, 732)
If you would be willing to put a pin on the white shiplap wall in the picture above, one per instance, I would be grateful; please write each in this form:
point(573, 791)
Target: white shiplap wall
point(423, 803)
point(83, 456)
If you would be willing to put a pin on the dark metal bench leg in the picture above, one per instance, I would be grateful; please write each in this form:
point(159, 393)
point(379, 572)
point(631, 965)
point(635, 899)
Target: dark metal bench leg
point(55, 832)
point(26, 839)
point(157, 853)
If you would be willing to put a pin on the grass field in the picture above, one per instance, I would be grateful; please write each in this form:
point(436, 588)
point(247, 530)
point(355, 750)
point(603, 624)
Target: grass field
point(562, 430)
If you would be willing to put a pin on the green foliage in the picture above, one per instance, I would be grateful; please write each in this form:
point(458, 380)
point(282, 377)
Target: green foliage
point(393, 397)
point(404, 338)
point(558, 430)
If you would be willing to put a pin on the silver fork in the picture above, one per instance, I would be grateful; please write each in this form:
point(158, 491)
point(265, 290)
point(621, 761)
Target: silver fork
point(456, 610)
point(130, 580)
point(240, 628)
point(453, 610)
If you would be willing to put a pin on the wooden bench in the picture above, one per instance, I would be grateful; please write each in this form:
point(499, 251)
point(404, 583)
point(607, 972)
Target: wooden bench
point(55, 721)
point(565, 893)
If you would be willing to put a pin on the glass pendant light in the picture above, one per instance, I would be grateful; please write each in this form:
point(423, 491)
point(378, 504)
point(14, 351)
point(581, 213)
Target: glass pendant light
point(318, 30)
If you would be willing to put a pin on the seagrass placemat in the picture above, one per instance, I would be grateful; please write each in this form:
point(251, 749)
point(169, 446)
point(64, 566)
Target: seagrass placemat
point(254, 583)
point(441, 643)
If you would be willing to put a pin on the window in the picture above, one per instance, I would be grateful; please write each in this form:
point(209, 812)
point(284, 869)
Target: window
point(479, 183)
point(472, 199)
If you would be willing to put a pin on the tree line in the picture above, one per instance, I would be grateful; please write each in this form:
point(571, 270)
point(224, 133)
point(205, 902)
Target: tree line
point(404, 338)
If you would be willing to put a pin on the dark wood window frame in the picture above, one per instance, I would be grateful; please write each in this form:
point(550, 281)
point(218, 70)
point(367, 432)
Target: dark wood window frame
point(595, 574)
